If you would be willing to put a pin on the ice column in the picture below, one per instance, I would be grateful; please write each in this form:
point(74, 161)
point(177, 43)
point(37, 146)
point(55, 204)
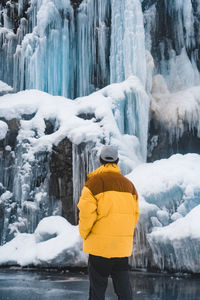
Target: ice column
point(127, 55)
point(93, 46)
point(8, 42)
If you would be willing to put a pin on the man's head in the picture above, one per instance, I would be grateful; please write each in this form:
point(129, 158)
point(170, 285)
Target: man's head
point(109, 154)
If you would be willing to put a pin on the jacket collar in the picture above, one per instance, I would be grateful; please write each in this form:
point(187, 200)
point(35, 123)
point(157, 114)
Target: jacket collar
point(105, 169)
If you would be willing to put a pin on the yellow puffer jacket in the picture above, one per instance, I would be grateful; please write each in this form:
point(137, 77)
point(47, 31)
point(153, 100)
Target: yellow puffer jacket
point(108, 213)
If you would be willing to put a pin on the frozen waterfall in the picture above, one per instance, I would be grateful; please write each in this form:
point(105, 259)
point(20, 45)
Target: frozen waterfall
point(75, 75)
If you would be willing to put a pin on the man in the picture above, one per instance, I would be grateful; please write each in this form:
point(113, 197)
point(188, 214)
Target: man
point(108, 214)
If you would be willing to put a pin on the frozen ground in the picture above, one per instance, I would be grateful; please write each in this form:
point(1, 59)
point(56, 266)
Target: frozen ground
point(17, 284)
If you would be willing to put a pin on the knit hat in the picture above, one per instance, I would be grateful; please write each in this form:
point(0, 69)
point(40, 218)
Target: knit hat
point(109, 153)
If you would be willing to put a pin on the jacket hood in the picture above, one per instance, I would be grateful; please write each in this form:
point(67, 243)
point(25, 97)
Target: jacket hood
point(105, 168)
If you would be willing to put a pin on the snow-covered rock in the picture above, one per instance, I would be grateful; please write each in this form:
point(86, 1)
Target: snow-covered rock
point(55, 242)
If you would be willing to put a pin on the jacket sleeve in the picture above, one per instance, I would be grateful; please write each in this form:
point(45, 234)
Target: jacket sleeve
point(136, 201)
point(87, 212)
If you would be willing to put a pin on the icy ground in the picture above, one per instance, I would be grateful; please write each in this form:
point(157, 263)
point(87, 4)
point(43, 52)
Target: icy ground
point(17, 285)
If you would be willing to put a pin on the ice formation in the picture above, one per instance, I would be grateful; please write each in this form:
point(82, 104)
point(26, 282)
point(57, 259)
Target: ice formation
point(171, 36)
point(48, 45)
point(168, 233)
point(127, 54)
point(30, 157)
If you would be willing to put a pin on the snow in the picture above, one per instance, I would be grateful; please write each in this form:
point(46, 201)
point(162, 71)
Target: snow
point(65, 111)
point(3, 130)
point(178, 174)
point(180, 242)
point(55, 242)
point(174, 231)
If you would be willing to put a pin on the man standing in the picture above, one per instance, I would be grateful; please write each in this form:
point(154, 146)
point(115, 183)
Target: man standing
point(108, 214)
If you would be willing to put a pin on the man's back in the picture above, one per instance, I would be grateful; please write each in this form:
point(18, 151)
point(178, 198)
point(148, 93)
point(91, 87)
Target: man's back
point(115, 199)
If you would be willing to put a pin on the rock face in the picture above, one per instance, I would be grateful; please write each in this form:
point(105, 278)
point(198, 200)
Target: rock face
point(60, 181)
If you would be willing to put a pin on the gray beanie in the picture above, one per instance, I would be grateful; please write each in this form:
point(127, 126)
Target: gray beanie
point(109, 153)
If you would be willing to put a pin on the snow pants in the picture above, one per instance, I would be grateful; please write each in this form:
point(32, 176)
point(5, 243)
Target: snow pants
point(99, 269)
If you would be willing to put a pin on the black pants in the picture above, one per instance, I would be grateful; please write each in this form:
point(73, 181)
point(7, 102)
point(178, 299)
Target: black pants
point(100, 268)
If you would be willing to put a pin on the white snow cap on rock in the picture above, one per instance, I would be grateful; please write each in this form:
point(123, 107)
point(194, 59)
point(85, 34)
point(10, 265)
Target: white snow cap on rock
point(55, 242)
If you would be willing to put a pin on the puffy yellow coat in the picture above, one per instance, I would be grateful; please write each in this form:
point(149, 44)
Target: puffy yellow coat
point(108, 213)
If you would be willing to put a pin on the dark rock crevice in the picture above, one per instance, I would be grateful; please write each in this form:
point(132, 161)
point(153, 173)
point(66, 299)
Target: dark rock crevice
point(60, 181)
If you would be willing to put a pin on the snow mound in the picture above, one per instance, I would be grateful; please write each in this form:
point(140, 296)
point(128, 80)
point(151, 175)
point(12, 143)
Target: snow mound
point(55, 242)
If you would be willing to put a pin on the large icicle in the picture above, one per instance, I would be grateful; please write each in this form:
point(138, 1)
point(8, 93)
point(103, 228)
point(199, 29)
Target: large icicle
point(93, 46)
point(127, 55)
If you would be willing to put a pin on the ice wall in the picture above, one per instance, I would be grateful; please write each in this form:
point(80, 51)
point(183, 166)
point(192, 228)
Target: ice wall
point(36, 124)
point(98, 43)
point(167, 237)
point(172, 37)
point(93, 49)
